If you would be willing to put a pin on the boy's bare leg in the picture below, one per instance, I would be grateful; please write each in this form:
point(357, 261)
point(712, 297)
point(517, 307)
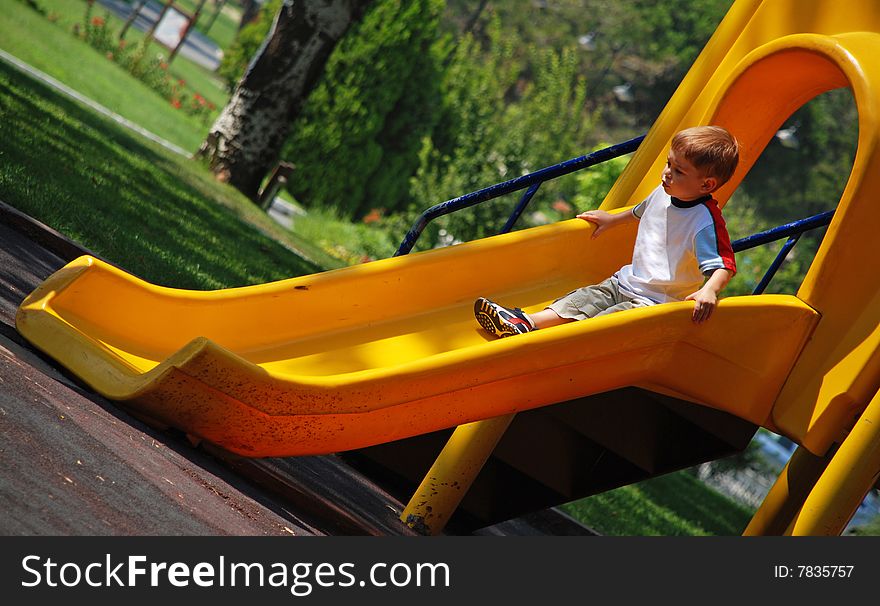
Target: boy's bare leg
point(547, 318)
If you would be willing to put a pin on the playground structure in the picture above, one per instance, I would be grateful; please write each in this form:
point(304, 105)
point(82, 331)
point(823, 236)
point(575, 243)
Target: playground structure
point(388, 351)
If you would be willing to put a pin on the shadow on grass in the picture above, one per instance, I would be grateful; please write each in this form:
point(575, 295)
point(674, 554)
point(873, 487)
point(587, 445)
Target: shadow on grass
point(675, 504)
point(692, 500)
point(144, 210)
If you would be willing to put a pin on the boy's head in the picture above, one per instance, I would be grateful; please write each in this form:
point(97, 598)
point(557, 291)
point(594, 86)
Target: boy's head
point(701, 159)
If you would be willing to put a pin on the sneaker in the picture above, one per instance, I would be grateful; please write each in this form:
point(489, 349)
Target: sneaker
point(501, 321)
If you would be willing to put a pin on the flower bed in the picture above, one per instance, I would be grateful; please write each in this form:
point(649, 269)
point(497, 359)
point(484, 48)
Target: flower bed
point(152, 70)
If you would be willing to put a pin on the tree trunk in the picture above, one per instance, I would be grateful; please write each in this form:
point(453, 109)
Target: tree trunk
point(134, 14)
point(218, 8)
point(248, 13)
point(246, 139)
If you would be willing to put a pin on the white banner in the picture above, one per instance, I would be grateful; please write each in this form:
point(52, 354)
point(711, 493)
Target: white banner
point(171, 28)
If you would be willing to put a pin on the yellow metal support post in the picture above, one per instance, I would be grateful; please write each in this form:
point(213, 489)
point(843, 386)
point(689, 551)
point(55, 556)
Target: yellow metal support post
point(787, 495)
point(852, 472)
point(452, 474)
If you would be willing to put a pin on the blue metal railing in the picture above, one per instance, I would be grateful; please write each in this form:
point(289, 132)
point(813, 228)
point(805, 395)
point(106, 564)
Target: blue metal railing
point(532, 181)
point(793, 230)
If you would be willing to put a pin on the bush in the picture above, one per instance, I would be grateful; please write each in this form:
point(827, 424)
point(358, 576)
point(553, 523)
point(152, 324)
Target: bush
point(357, 138)
point(742, 220)
point(502, 117)
point(593, 183)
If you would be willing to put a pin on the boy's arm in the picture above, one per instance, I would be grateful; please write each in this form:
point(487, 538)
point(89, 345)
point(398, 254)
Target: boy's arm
point(706, 298)
point(605, 220)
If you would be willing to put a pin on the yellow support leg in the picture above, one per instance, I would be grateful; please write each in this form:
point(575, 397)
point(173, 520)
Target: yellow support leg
point(452, 474)
point(787, 495)
point(849, 476)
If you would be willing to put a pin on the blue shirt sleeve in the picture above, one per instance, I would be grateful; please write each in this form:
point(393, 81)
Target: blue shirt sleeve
point(706, 249)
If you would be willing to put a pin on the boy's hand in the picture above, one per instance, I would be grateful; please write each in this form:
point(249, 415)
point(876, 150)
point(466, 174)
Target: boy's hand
point(705, 301)
point(706, 298)
point(600, 218)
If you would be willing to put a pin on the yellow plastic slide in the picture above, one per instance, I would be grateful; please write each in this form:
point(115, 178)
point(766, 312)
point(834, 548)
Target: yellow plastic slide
point(389, 349)
point(386, 350)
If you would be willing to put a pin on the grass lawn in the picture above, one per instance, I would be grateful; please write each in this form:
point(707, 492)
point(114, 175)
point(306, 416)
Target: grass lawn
point(153, 212)
point(51, 48)
point(352, 242)
point(670, 505)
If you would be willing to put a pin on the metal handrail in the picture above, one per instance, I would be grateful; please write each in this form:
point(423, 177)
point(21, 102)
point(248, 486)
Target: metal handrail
point(531, 181)
point(793, 230)
point(777, 233)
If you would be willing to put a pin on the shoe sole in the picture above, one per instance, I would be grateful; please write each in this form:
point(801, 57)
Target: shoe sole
point(489, 319)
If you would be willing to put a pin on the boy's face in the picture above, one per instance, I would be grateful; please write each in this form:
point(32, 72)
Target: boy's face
point(681, 180)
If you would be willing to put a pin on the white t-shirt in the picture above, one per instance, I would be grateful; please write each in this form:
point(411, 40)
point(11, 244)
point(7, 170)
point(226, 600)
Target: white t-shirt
point(678, 244)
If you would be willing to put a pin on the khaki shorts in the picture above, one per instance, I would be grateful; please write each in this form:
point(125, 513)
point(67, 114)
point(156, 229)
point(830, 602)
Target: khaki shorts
point(597, 300)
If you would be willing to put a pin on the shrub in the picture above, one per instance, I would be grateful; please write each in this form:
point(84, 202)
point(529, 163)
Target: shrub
point(357, 139)
point(503, 115)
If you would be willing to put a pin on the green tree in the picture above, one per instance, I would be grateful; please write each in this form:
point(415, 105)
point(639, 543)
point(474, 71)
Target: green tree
point(639, 43)
point(356, 142)
point(504, 114)
point(801, 172)
point(804, 169)
point(651, 47)
point(743, 220)
point(593, 183)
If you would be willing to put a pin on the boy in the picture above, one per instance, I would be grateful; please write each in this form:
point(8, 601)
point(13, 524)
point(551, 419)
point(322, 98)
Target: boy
point(682, 239)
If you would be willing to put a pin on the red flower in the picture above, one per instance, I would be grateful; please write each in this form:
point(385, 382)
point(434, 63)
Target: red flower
point(175, 103)
point(562, 206)
point(373, 216)
point(97, 21)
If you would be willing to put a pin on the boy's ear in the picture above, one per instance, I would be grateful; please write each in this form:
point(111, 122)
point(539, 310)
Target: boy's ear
point(710, 184)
